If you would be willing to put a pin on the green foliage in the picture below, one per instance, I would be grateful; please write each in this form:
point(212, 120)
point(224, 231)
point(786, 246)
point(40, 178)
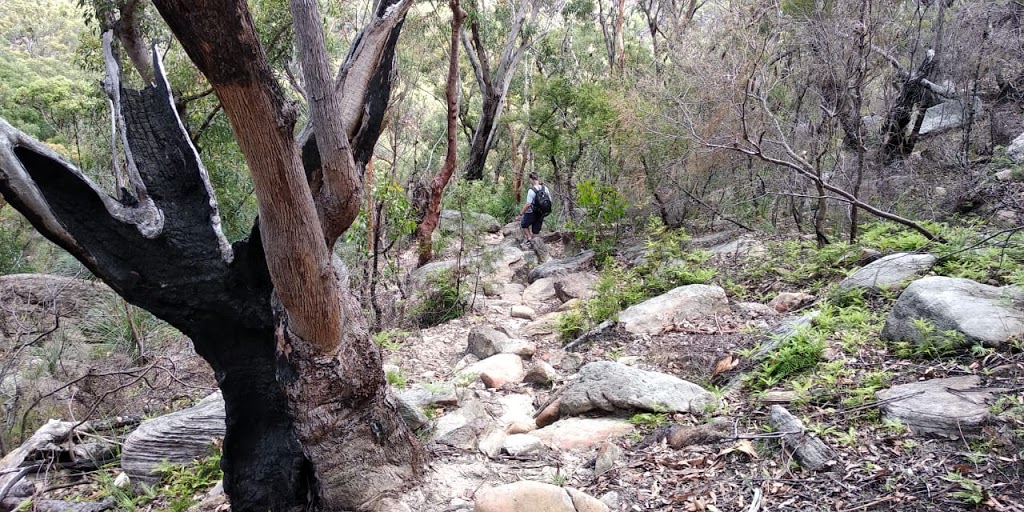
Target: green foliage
point(494, 199)
point(391, 339)
point(443, 299)
point(12, 245)
point(649, 419)
point(970, 492)
point(667, 265)
point(397, 378)
point(934, 344)
point(183, 484)
point(118, 327)
point(605, 208)
point(798, 353)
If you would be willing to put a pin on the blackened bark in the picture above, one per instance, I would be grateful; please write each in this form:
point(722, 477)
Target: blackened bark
point(909, 106)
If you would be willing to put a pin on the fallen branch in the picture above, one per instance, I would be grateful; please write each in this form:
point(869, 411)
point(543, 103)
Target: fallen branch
point(808, 450)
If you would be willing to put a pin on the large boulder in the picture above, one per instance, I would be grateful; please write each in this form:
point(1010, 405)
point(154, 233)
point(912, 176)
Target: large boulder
point(683, 304)
point(940, 406)
point(888, 271)
point(611, 387)
point(564, 266)
point(484, 342)
point(178, 438)
point(453, 221)
point(578, 285)
point(946, 115)
point(527, 496)
point(983, 314)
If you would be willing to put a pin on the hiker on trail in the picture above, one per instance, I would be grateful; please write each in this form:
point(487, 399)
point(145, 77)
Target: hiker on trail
point(538, 206)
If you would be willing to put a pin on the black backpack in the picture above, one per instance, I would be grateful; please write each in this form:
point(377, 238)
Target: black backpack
point(541, 201)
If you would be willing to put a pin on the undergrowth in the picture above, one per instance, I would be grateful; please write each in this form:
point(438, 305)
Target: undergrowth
point(667, 264)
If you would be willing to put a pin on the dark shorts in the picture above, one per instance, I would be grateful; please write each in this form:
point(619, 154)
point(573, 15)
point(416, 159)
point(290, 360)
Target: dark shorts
point(532, 220)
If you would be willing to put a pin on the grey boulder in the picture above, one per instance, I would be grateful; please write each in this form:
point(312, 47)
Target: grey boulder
point(682, 304)
point(611, 387)
point(983, 314)
point(564, 266)
point(940, 406)
point(888, 271)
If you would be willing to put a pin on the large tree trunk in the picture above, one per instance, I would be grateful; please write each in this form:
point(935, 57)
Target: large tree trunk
point(309, 422)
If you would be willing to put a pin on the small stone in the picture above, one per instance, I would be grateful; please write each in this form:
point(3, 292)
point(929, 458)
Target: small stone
point(122, 481)
point(611, 500)
point(524, 312)
point(788, 301)
point(607, 455)
point(568, 305)
point(466, 361)
point(492, 443)
point(540, 373)
point(628, 360)
point(582, 433)
point(521, 427)
point(518, 445)
point(1005, 175)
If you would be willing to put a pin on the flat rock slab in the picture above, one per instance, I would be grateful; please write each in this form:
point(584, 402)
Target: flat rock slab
point(940, 406)
point(740, 247)
point(178, 438)
point(983, 314)
point(677, 306)
point(425, 395)
point(608, 386)
point(581, 433)
point(563, 266)
point(527, 496)
point(888, 271)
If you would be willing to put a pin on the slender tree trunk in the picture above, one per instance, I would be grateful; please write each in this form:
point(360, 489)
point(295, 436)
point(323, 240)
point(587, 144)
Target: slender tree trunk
point(426, 228)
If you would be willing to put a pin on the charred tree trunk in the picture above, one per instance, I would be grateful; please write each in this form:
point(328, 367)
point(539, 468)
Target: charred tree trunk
point(426, 228)
point(310, 424)
point(899, 136)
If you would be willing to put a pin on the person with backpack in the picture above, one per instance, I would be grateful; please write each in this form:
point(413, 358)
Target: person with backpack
point(538, 206)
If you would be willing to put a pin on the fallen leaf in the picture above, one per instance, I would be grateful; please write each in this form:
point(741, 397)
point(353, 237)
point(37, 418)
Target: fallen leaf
point(743, 446)
point(725, 364)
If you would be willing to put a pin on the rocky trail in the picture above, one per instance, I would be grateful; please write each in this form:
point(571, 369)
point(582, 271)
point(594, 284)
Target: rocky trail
point(652, 412)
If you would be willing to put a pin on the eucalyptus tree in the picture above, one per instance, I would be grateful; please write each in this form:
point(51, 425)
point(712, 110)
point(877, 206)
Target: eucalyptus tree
point(527, 21)
point(310, 424)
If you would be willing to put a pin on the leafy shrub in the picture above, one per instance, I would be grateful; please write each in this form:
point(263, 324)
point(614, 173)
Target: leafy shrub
point(604, 208)
point(494, 199)
point(444, 299)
